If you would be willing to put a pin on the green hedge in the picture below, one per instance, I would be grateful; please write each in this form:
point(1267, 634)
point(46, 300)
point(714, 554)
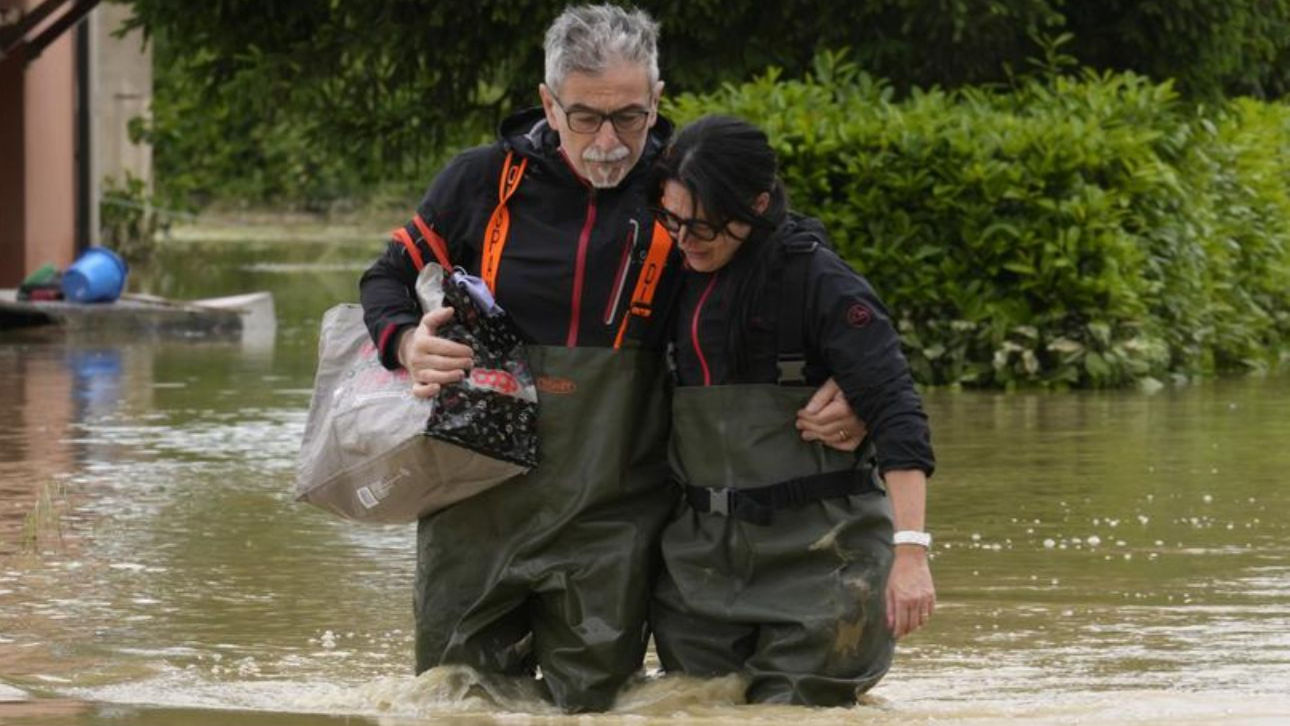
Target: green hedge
point(1065, 231)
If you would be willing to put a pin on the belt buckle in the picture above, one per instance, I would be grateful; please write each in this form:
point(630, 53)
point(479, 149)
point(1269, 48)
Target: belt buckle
point(719, 501)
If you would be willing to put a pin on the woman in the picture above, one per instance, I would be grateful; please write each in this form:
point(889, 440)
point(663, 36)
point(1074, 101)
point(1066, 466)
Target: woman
point(780, 563)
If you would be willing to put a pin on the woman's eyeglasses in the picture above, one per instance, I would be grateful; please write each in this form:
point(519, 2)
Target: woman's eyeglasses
point(699, 229)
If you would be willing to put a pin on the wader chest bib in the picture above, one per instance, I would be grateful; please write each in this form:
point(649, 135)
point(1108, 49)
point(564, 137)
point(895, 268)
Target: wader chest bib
point(797, 603)
point(553, 568)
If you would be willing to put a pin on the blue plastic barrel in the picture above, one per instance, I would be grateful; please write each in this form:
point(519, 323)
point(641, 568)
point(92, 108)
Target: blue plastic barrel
point(98, 275)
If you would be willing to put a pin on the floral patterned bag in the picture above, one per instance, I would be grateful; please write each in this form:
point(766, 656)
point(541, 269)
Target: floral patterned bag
point(494, 410)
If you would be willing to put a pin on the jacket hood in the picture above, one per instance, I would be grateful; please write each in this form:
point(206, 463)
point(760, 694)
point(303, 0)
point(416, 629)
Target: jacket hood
point(801, 228)
point(797, 233)
point(528, 134)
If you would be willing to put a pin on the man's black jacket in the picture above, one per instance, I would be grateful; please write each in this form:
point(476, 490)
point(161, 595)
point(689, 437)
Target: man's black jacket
point(566, 274)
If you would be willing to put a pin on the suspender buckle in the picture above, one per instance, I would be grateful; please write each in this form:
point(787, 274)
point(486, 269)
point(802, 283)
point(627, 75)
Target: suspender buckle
point(719, 501)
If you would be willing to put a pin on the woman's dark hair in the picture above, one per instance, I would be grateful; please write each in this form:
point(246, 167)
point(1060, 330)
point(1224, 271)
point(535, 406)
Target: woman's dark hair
point(726, 164)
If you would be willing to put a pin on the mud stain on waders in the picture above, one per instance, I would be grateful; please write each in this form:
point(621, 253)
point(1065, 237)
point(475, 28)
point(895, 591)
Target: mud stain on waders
point(850, 631)
point(849, 635)
point(830, 541)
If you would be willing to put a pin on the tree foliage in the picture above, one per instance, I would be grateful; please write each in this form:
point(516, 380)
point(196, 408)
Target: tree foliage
point(1211, 49)
point(314, 99)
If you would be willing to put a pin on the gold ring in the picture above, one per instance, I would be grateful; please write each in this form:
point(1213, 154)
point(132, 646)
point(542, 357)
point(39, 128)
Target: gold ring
point(843, 435)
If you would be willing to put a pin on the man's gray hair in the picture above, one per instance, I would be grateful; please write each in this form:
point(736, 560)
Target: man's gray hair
point(590, 38)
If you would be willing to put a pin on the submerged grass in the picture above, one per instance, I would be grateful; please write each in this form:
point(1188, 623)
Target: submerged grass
point(42, 527)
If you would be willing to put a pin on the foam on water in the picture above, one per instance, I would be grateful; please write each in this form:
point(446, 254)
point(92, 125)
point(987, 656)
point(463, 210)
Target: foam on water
point(459, 695)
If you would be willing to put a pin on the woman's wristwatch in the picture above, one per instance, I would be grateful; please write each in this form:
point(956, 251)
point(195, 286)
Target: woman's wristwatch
point(909, 536)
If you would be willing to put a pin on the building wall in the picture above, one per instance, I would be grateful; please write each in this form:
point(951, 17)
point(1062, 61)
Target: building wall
point(121, 89)
point(13, 179)
point(50, 119)
point(38, 107)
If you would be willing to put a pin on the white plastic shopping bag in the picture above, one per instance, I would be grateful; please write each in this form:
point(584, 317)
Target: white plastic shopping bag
point(374, 452)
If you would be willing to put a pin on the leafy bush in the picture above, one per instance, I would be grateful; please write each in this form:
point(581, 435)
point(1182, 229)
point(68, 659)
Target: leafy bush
point(240, 141)
point(127, 219)
point(1245, 157)
point(1066, 231)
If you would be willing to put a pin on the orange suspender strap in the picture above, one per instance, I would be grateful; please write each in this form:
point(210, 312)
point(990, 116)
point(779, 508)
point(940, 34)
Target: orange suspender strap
point(499, 225)
point(660, 246)
point(432, 238)
point(437, 245)
point(405, 239)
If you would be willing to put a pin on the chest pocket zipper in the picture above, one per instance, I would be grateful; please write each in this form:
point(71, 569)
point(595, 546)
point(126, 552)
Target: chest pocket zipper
point(620, 282)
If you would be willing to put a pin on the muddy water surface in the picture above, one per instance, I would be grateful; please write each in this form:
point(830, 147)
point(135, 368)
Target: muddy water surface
point(1100, 557)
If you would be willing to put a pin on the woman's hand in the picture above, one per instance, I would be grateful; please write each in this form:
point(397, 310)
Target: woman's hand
point(432, 361)
point(828, 418)
point(911, 597)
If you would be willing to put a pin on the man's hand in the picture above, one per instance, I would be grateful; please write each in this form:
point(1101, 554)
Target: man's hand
point(828, 418)
point(432, 361)
point(910, 594)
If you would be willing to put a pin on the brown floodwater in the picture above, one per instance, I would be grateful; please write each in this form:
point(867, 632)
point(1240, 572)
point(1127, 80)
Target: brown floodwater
point(1101, 557)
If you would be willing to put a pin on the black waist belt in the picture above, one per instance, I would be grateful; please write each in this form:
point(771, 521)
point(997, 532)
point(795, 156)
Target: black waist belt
point(758, 504)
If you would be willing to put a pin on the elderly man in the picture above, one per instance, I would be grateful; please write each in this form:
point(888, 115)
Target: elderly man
point(553, 569)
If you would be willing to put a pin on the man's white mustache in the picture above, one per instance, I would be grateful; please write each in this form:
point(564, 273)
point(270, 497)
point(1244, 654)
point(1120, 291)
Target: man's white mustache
point(617, 153)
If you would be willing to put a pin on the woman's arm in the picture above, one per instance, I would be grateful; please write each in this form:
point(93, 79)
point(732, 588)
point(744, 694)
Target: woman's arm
point(861, 348)
point(856, 339)
point(911, 596)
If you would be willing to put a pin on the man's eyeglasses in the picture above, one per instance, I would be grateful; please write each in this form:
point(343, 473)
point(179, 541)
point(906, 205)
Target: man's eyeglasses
point(699, 229)
point(586, 121)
